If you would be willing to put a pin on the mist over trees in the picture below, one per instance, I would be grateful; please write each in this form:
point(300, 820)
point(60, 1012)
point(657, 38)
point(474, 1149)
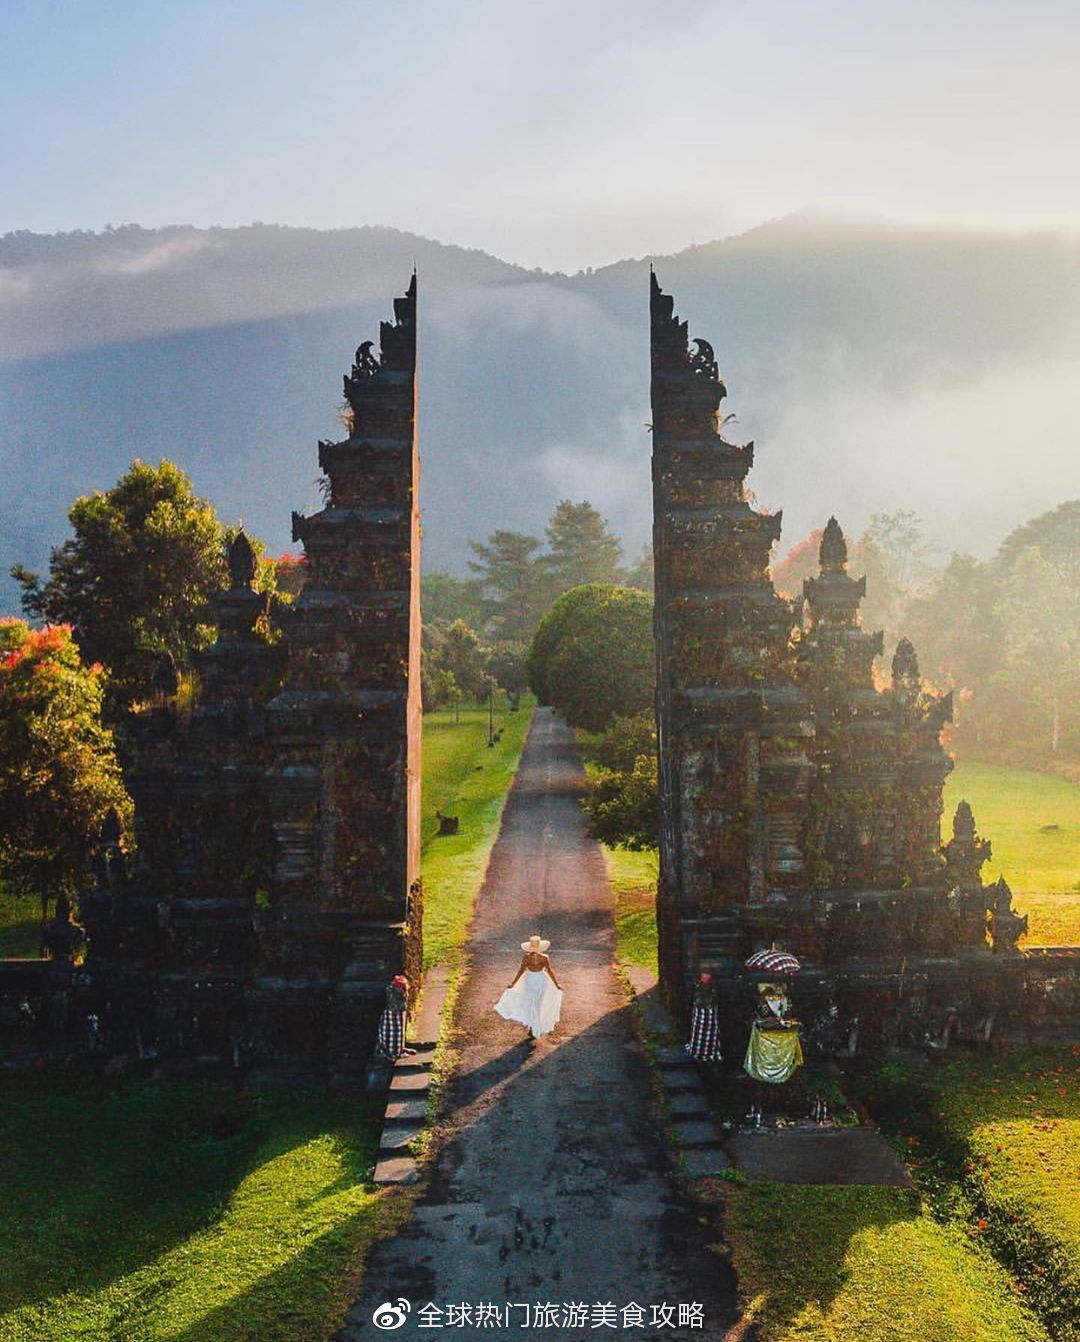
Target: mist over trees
point(876, 368)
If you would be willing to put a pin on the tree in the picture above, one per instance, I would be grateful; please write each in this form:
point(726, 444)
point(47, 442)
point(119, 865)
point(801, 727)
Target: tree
point(593, 657)
point(462, 654)
point(438, 688)
point(622, 800)
point(900, 539)
point(444, 599)
point(506, 665)
point(290, 573)
point(642, 574)
point(954, 624)
point(1056, 534)
point(1040, 621)
point(623, 807)
point(59, 776)
point(135, 578)
point(512, 582)
point(800, 562)
point(581, 549)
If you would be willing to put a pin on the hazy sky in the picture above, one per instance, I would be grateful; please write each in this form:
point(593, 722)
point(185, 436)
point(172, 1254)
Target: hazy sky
point(555, 133)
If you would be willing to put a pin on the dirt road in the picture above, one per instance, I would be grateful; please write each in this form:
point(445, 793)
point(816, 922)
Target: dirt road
point(553, 1184)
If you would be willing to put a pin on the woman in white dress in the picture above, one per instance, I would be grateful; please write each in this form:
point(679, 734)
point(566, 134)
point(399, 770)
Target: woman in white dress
point(534, 997)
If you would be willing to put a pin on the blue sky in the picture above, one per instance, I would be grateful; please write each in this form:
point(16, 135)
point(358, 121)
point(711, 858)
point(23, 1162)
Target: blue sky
point(555, 134)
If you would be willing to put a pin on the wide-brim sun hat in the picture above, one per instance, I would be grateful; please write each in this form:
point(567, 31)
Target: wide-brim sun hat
point(535, 943)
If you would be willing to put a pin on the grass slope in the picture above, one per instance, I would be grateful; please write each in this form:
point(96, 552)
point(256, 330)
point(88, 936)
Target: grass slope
point(848, 1264)
point(465, 777)
point(1033, 821)
point(995, 1143)
point(195, 1214)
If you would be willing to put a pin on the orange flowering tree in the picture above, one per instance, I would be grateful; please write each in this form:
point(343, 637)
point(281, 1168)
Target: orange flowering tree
point(59, 775)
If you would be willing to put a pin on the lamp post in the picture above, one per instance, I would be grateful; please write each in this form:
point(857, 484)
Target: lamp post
point(491, 712)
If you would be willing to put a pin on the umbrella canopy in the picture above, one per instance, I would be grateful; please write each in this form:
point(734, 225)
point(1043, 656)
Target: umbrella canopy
point(774, 962)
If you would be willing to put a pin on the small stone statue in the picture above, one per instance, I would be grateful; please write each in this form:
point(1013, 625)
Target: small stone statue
point(60, 936)
point(1006, 925)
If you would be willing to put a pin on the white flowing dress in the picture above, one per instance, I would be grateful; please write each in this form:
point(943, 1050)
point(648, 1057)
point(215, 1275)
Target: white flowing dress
point(534, 1001)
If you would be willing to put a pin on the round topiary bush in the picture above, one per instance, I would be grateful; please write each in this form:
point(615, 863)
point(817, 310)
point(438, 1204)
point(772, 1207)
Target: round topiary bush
point(592, 658)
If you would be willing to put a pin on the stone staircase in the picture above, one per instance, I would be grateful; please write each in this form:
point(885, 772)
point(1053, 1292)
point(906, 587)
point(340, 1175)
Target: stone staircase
point(405, 1117)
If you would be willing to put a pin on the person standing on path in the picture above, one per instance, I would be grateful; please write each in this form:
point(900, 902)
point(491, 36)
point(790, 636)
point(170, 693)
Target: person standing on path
point(538, 1001)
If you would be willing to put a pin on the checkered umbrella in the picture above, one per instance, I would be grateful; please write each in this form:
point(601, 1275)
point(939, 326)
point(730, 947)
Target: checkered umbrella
point(774, 962)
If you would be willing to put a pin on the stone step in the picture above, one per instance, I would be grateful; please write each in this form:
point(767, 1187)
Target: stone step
point(405, 1116)
point(705, 1162)
point(395, 1169)
point(671, 1055)
point(689, 1082)
point(413, 1105)
point(697, 1132)
point(688, 1104)
point(398, 1133)
point(409, 1078)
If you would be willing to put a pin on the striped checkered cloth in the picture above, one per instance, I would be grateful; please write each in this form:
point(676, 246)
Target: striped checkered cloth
point(704, 1044)
point(391, 1036)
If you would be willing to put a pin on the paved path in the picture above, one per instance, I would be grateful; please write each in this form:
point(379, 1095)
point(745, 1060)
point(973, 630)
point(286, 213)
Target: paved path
point(553, 1182)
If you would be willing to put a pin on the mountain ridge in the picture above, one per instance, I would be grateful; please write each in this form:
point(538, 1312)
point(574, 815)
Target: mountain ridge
point(877, 367)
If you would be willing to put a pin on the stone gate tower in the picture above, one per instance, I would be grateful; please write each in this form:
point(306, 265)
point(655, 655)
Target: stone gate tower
point(731, 723)
point(800, 802)
point(344, 909)
point(275, 888)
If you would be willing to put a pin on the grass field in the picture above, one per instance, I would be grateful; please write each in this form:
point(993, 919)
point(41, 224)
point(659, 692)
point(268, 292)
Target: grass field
point(194, 1214)
point(1033, 821)
point(851, 1264)
point(463, 777)
point(20, 926)
point(633, 879)
point(995, 1143)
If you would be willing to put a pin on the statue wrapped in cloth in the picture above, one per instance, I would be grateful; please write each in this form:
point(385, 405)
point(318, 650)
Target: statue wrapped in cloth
point(704, 1042)
point(774, 1052)
point(390, 1038)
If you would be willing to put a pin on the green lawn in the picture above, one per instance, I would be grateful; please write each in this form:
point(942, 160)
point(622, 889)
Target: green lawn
point(20, 926)
point(194, 1214)
point(987, 1247)
point(633, 879)
point(995, 1143)
point(865, 1265)
point(465, 777)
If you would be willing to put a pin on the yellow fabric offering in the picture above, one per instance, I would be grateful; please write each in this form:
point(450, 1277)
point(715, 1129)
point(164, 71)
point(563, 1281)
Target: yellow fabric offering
point(772, 1055)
